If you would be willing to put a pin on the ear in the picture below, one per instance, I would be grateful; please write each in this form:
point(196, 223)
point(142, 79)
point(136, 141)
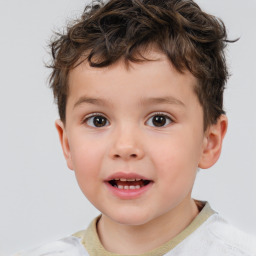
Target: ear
point(64, 142)
point(214, 136)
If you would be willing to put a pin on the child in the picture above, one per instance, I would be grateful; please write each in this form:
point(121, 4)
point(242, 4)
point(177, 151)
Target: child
point(139, 86)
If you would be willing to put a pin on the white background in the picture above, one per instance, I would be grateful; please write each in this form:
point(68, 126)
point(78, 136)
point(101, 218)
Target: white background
point(40, 200)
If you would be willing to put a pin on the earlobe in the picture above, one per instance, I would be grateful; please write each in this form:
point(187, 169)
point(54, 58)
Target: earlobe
point(64, 142)
point(213, 143)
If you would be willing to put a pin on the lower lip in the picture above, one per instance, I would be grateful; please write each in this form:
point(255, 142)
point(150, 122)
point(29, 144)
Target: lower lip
point(128, 193)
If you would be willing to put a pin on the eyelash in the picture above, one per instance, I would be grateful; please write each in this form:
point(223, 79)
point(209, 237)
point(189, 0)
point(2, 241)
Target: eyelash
point(162, 115)
point(91, 116)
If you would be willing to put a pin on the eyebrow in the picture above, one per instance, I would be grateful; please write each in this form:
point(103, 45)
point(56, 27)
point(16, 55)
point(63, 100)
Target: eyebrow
point(145, 101)
point(94, 101)
point(162, 100)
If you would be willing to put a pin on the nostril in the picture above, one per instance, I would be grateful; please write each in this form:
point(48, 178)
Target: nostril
point(131, 155)
point(126, 153)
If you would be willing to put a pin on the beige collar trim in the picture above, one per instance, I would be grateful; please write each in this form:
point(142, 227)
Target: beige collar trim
point(90, 239)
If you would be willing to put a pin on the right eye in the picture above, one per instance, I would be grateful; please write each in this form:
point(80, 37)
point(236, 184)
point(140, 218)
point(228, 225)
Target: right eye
point(96, 120)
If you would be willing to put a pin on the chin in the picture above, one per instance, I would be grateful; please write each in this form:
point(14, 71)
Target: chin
point(131, 218)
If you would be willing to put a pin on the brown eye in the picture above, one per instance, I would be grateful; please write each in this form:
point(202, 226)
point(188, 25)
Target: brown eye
point(97, 121)
point(159, 120)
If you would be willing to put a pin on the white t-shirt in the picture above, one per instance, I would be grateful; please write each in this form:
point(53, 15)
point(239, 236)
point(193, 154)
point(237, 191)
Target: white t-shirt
point(207, 235)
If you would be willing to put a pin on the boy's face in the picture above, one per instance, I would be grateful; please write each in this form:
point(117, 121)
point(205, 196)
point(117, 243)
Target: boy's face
point(142, 123)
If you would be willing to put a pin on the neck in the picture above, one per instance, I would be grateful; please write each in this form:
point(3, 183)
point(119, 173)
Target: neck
point(129, 239)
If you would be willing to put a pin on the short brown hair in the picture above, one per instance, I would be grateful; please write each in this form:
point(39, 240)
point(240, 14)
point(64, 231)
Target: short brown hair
point(107, 32)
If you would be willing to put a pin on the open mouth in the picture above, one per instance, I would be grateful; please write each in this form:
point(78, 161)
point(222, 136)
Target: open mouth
point(123, 183)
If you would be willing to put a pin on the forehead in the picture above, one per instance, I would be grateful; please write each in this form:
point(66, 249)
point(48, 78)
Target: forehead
point(150, 59)
point(155, 81)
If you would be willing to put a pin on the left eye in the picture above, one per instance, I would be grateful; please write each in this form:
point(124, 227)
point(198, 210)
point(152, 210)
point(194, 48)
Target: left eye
point(159, 120)
point(97, 121)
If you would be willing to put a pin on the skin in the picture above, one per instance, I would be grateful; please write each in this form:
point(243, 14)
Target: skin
point(129, 142)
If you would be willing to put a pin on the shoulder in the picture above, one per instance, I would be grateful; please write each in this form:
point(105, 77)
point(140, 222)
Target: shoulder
point(64, 247)
point(217, 237)
point(231, 237)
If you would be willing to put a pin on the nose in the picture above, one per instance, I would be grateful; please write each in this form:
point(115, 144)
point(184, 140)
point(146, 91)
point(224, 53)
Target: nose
point(126, 145)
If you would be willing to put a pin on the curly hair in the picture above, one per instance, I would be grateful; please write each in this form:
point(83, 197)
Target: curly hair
point(109, 31)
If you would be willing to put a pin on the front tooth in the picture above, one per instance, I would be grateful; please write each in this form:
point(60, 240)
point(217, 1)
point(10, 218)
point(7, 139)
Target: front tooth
point(130, 179)
point(120, 187)
point(132, 187)
point(137, 186)
point(126, 187)
point(122, 179)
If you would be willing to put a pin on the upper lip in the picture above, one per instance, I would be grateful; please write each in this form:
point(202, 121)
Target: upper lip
point(123, 175)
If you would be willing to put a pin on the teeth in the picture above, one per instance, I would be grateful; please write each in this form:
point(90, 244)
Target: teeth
point(128, 187)
point(123, 179)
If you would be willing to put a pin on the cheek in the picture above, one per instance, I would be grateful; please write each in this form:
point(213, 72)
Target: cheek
point(86, 158)
point(177, 157)
point(174, 151)
point(176, 172)
point(85, 151)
